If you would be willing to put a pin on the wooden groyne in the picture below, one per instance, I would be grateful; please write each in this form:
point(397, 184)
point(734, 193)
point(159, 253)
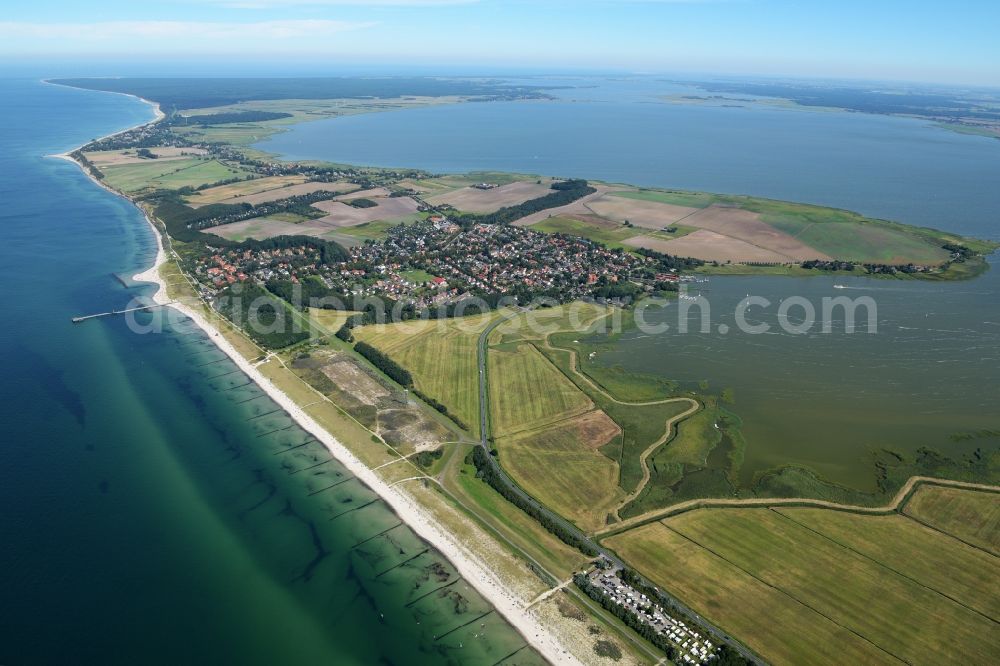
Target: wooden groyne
point(77, 320)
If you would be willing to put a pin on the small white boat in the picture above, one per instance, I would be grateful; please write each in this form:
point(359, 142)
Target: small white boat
point(839, 286)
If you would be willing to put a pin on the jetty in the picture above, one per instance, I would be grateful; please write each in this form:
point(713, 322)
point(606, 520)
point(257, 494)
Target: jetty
point(153, 306)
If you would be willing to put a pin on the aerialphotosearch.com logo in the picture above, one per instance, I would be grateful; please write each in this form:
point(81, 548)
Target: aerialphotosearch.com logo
point(796, 315)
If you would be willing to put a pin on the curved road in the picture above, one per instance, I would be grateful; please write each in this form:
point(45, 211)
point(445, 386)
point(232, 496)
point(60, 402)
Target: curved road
point(570, 528)
point(644, 456)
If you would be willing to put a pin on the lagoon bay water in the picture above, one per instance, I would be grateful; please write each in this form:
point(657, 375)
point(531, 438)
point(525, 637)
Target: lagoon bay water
point(154, 509)
point(824, 401)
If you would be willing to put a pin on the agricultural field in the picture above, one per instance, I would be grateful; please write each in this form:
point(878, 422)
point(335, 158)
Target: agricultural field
point(803, 585)
point(170, 174)
point(104, 158)
point(357, 235)
point(328, 322)
point(642, 422)
point(339, 213)
point(527, 391)
point(475, 200)
point(224, 193)
point(441, 356)
point(562, 466)
point(738, 230)
point(797, 231)
point(968, 515)
point(342, 221)
point(291, 191)
point(587, 226)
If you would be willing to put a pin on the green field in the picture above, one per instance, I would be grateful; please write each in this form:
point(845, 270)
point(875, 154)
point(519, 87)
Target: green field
point(501, 515)
point(764, 618)
point(171, 174)
point(561, 467)
point(829, 578)
point(642, 424)
point(526, 391)
point(675, 198)
point(611, 234)
point(441, 356)
point(820, 586)
point(973, 517)
point(417, 276)
point(328, 321)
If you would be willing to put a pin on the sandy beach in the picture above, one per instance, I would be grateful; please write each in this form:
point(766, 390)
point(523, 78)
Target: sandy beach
point(471, 567)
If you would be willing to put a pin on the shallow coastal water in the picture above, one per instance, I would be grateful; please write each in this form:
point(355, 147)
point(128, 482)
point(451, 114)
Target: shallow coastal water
point(824, 401)
point(157, 507)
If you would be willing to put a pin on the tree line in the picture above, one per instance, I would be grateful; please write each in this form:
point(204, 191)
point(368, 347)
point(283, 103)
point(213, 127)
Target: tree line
point(486, 469)
point(227, 118)
point(393, 370)
point(563, 192)
point(725, 656)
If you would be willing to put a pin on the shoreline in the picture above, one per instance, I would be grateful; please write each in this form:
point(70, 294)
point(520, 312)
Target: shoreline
point(468, 565)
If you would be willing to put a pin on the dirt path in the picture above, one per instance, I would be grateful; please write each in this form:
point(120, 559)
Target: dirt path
point(646, 474)
point(901, 496)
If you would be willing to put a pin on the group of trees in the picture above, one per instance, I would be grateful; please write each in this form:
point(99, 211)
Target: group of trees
point(227, 118)
point(668, 262)
point(626, 615)
point(831, 265)
point(264, 318)
point(486, 469)
point(959, 253)
point(563, 192)
point(393, 370)
point(442, 408)
point(725, 656)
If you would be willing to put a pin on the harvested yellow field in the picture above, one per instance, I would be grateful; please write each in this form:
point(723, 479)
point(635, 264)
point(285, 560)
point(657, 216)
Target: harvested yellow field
point(342, 214)
point(292, 191)
point(561, 466)
point(944, 564)
point(224, 193)
point(645, 214)
point(129, 156)
point(770, 622)
point(747, 226)
point(710, 246)
point(527, 391)
point(912, 594)
point(476, 200)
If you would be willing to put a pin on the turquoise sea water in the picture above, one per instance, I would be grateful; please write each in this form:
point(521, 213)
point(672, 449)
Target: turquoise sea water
point(154, 505)
point(823, 401)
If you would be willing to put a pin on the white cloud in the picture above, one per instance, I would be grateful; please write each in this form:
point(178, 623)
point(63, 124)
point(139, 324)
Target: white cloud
point(159, 34)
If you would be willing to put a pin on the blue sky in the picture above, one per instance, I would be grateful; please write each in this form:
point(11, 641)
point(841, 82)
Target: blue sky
point(954, 42)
